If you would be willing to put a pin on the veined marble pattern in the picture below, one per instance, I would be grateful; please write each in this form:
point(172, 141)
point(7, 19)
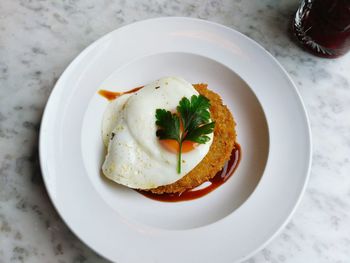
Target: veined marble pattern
point(38, 38)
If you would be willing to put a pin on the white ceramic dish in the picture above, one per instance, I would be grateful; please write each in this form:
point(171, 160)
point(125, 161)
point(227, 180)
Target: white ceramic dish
point(227, 225)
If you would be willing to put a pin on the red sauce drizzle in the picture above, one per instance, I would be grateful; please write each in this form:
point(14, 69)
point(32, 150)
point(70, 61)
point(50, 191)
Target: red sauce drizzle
point(220, 178)
point(111, 95)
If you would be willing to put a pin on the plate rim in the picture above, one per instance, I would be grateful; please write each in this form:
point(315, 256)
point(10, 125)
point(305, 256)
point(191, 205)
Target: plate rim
point(75, 60)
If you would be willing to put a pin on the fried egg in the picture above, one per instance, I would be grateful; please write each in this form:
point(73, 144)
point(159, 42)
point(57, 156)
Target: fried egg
point(136, 157)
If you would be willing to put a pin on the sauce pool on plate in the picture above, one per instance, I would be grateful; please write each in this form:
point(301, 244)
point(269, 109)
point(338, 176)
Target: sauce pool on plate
point(219, 179)
point(112, 95)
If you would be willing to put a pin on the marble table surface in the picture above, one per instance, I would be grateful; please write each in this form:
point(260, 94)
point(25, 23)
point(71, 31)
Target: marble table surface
point(38, 39)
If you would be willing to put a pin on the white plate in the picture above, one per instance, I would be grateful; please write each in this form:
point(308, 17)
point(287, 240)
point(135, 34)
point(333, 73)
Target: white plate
point(227, 225)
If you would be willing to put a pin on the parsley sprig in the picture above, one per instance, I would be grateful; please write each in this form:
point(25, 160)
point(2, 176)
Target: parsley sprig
point(190, 123)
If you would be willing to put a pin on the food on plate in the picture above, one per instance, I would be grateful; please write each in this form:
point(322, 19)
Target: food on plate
point(166, 137)
point(220, 150)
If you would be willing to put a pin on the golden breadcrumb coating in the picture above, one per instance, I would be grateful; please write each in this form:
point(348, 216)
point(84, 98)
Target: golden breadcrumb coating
point(220, 149)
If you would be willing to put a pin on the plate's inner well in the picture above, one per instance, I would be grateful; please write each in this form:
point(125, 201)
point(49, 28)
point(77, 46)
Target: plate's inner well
point(251, 129)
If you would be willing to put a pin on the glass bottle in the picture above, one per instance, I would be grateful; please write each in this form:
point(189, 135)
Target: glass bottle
point(322, 27)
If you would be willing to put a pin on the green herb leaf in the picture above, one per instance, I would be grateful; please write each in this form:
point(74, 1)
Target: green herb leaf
point(195, 119)
point(199, 134)
point(170, 124)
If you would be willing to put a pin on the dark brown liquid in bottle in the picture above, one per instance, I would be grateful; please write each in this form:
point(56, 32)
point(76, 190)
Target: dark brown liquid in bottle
point(323, 27)
point(220, 178)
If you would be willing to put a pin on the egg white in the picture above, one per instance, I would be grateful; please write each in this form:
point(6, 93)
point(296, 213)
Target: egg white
point(135, 156)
